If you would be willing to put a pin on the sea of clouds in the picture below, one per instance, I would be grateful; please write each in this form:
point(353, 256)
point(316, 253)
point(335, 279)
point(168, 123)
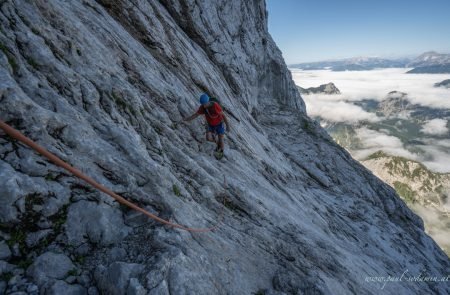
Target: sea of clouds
point(376, 84)
point(435, 127)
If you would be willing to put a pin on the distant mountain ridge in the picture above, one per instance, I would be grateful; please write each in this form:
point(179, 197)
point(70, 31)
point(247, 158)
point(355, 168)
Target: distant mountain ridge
point(427, 62)
point(353, 64)
point(430, 58)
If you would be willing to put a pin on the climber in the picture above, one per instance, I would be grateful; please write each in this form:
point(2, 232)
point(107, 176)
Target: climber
point(215, 118)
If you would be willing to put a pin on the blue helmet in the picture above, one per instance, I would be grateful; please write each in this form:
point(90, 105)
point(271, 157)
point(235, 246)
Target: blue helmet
point(204, 98)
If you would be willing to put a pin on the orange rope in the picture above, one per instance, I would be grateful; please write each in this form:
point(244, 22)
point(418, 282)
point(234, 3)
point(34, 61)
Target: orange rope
point(41, 150)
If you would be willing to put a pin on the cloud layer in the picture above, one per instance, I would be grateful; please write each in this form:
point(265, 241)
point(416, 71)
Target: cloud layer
point(373, 141)
point(376, 84)
point(434, 154)
point(436, 224)
point(337, 111)
point(435, 127)
point(436, 158)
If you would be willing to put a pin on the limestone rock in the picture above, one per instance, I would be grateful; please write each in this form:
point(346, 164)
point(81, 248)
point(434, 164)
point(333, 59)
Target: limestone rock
point(135, 288)
point(49, 266)
point(99, 223)
point(5, 253)
point(116, 278)
point(61, 287)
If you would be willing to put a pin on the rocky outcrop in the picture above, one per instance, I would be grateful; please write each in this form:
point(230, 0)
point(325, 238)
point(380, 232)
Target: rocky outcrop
point(5, 252)
point(329, 88)
point(443, 84)
point(50, 266)
point(426, 192)
point(116, 278)
point(414, 181)
point(394, 103)
point(109, 229)
point(105, 84)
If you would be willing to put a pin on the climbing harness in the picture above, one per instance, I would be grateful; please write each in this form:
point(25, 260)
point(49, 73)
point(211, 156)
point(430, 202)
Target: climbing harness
point(41, 150)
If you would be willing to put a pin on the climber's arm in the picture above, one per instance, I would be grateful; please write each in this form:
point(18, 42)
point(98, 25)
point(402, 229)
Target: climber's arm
point(192, 117)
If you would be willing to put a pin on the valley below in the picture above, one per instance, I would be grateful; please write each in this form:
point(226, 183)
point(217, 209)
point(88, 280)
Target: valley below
point(395, 124)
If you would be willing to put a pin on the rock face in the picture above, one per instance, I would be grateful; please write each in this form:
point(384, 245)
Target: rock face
point(5, 253)
point(100, 224)
point(329, 88)
point(104, 85)
point(116, 278)
point(50, 266)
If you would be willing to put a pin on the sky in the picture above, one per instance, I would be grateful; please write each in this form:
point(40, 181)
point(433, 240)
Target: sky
point(317, 30)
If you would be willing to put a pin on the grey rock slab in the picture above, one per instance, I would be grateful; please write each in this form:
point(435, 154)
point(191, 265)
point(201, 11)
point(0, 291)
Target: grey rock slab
point(32, 288)
point(93, 291)
point(3, 286)
point(99, 223)
point(34, 238)
point(13, 187)
point(5, 253)
point(135, 288)
point(61, 287)
point(117, 254)
point(116, 277)
point(49, 266)
point(6, 267)
point(161, 289)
